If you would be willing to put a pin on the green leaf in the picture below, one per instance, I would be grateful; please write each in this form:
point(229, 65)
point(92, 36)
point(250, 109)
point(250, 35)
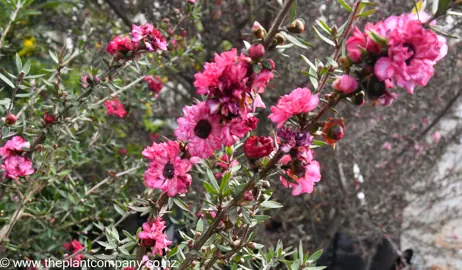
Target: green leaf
point(300, 252)
point(6, 80)
point(324, 26)
point(293, 12)
point(308, 61)
point(208, 187)
point(455, 13)
point(377, 38)
point(345, 5)
point(443, 6)
point(316, 268)
point(200, 225)
point(26, 67)
point(314, 78)
point(180, 203)
point(107, 246)
point(271, 204)
point(212, 179)
point(325, 39)
point(367, 13)
point(224, 182)
point(315, 256)
point(320, 143)
point(18, 63)
point(119, 210)
point(438, 31)
point(296, 41)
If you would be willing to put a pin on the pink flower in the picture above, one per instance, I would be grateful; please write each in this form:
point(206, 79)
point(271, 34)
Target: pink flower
point(387, 146)
point(305, 184)
point(298, 101)
point(154, 82)
point(13, 147)
point(74, 246)
point(192, 1)
point(345, 84)
point(237, 128)
point(114, 107)
point(201, 129)
point(436, 137)
point(413, 50)
point(122, 47)
point(17, 166)
point(230, 83)
point(167, 171)
point(150, 36)
point(152, 236)
point(355, 45)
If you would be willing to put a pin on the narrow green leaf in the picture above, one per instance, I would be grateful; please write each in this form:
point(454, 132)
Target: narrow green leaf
point(443, 6)
point(315, 256)
point(6, 80)
point(345, 5)
point(26, 67)
point(438, 31)
point(324, 26)
point(18, 63)
point(271, 204)
point(212, 179)
point(200, 225)
point(300, 252)
point(180, 203)
point(208, 187)
point(325, 39)
point(293, 12)
point(295, 41)
point(308, 61)
point(225, 182)
point(367, 13)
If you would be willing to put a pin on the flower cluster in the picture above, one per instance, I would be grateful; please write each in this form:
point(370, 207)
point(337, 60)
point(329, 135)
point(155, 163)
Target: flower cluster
point(74, 246)
point(167, 170)
point(152, 236)
point(400, 50)
point(14, 164)
point(114, 107)
point(143, 38)
point(232, 85)
point(301, 171)
point(155, 83)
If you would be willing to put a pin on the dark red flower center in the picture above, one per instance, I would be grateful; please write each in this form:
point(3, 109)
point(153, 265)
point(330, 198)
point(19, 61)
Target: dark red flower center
point(203, 129)
point(410, 48)
point(169, 171)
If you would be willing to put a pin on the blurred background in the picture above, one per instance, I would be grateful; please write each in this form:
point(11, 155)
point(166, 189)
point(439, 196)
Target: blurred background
point(393, 183)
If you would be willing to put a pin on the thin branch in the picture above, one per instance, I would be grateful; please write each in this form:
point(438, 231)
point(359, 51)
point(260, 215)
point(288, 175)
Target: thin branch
point(13, 16)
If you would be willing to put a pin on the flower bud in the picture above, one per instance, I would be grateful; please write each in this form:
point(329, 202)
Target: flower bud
point(257, 30)
point(345, 84)
point(148, 243)
point(256, 51)
point(258, 147)
point(280, 39)
point(333, 131)
point(49, 118)
point(296, 27)
point(359, 99)
point(10, 119)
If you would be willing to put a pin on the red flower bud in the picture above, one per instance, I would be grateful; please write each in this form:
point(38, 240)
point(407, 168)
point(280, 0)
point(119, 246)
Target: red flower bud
point(148, 242)
point(49, 118)
point(333, 131)
point(256, 51)
point(345, 84)
point(10, 119)
point(257, 147)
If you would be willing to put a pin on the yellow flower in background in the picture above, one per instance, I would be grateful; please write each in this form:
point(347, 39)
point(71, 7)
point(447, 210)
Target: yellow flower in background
point(29, 46)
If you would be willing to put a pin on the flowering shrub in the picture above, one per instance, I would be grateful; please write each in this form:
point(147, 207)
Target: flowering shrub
point(53, 154)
